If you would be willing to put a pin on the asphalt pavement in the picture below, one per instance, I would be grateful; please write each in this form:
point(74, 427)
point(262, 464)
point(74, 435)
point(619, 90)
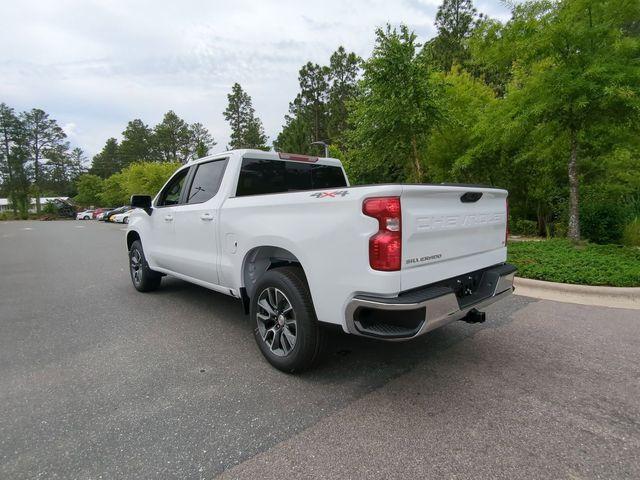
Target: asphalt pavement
point(100, 381)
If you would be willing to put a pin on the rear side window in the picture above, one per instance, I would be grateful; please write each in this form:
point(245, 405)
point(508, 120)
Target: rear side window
point(258, 177)
point(206, 181)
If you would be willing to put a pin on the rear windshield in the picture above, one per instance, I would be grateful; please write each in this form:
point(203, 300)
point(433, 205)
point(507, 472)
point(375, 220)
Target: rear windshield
point(276, 176)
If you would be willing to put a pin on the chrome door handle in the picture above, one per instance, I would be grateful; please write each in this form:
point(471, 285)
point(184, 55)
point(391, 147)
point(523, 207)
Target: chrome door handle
point(168, 218)
point(206, 217)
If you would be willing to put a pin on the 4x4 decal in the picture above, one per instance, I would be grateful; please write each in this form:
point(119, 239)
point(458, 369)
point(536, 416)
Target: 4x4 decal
point(334, 194)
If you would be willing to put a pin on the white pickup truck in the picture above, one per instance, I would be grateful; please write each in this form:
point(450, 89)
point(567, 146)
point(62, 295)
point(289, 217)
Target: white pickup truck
point(288, 236)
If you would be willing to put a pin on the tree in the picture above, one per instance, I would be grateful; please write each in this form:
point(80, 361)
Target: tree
point(579, 74)
point(201, 141)
point(171, 139)
point(397, 109)
point(455, 21)
point(310, 103)
point(136, 144)
point(13, 158)
point(246, 128)
point(89, 190)
point(343, 73)
point(108, 161)
point(295, 137)
point(42, 135)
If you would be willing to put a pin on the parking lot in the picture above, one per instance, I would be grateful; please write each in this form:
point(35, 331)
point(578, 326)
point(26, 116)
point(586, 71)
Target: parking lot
point(100, 381)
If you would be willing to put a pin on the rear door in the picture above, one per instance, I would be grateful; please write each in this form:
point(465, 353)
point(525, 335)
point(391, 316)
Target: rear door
point(196, 241)
point(448, 231)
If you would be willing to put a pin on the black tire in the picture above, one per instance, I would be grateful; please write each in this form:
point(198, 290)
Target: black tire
point(126, 220)
point(86, 217)
point(143, 278)
point(310, 336)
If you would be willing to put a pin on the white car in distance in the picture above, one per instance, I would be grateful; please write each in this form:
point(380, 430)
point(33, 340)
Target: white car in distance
point(84, 215)
point(122, 217)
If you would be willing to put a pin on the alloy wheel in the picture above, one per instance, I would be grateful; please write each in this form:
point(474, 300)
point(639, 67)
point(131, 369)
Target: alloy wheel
point(277, 321)
point(136, 266)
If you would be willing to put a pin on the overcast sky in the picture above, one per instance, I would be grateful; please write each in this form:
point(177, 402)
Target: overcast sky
point(94, 65)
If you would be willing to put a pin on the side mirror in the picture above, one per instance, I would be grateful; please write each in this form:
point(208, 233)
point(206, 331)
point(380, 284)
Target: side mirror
point(141, 201)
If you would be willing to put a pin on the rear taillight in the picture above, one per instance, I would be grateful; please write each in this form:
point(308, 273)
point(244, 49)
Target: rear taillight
point(385, 247)
point(506, 229)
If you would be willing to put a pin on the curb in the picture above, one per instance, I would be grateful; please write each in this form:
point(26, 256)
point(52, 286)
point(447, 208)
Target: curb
point(613, 297)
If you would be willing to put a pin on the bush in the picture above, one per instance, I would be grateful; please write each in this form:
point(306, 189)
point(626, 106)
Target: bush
point(588, 264)
point(603, 221)
point(7, 216)
point(520, 226)
point(631, 235)
point(50, 209)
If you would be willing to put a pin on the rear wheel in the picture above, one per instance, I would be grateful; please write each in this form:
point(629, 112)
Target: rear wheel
point(286, 329)
point(86, 217)
point(126, 220)
point(144, 279)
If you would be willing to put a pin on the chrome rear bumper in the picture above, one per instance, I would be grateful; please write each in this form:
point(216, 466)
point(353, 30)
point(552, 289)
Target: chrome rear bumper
point(431, 307)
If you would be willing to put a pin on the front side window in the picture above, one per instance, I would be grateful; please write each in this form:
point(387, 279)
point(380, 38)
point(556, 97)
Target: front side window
point(258, 177)
point(170, 195)
point(206, 181)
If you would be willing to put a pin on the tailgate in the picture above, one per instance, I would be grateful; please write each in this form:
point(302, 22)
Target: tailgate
point(448, 231)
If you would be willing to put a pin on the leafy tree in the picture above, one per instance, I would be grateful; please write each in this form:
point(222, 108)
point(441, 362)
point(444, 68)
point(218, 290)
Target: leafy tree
point(246, 128)
point(396, 111)
point(89, 189)
point(136, 144)
point(108, 161)
point(172, 139)
point(580, 73)
point(42, 135)
point(455, 21)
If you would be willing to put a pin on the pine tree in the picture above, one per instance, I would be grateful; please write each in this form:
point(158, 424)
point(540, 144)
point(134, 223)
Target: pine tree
point(455, 21)
point(42, 134)
point(136, 142)
point(171, 139)
point(108, 161)
point(246, 128)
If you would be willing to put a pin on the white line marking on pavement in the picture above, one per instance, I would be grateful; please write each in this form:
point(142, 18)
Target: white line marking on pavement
point(79, 226)
point(27, 228)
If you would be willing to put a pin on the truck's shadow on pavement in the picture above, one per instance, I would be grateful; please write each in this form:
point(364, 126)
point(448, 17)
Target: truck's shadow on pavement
point(345, 352)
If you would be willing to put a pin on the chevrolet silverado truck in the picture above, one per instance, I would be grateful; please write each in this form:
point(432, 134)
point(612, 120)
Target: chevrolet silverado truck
point(302, 249)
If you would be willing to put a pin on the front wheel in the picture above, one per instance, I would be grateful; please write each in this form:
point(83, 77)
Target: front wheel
point(286, 328)
point(86, 217)
point(144, 279)
point(126, 220)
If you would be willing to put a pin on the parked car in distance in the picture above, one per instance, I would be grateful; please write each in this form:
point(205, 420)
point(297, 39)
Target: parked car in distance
point(100, 215)
point(84, 215)
point(121, 217)
point(107, 216)
point(98, 211)
point(288, 236)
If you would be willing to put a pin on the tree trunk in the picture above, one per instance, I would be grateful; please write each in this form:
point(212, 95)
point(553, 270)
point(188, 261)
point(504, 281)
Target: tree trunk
point(574, 206)
point(416, 160)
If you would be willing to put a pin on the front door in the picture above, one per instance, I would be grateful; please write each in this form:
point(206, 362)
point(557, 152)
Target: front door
point(159, 246)
point(196, 220)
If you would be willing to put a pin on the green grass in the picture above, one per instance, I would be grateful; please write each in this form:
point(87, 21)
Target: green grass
point(560, 260)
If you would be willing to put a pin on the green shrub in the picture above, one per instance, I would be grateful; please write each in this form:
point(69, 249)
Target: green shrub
point(559, 260)
point(603, 221)
point(49, 208)
point(521, 226)
point(7, 216)
point(631, 235)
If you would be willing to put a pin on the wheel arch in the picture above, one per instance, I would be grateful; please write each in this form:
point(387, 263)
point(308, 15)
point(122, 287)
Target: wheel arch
point(259, 260)
point(132, 236)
